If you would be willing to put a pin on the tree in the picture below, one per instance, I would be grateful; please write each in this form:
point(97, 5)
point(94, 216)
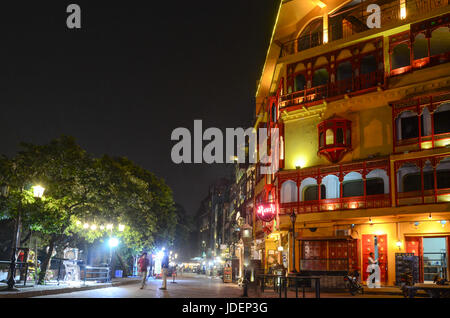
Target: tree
point(82, 188)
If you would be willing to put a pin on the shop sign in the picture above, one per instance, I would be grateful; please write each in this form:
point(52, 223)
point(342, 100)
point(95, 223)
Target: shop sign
point(266, 212)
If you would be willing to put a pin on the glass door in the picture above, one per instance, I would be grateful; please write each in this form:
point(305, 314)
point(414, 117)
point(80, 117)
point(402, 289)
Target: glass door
point(434, 258)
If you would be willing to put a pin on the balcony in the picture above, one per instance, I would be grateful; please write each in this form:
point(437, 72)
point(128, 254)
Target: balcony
point(360, 185)
point(423, 180)
point(421, 122)
point(350, 86)
point(353, 20)
point(327, 205)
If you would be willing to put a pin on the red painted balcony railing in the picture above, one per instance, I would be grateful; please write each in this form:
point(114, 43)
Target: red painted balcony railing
point(328, 205)
point(305, 96)
point(347, 86)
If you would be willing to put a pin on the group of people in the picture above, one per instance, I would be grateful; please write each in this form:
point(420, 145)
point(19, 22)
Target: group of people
point(144, 263)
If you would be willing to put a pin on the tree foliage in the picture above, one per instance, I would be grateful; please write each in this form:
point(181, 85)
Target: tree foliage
point(80, 188)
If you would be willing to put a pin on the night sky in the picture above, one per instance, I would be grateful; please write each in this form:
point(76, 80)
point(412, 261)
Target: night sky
point(133, 73)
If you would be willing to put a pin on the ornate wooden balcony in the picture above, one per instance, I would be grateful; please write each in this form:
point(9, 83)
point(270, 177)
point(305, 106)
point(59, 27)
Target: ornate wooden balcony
point(316, 95)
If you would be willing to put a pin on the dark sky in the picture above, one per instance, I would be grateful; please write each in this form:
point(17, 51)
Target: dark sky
point(134, 72)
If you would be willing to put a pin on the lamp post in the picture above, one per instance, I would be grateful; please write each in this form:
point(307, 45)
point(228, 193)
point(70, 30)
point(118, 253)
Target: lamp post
point(246, 238)
point(293, 218)
point(113, 242)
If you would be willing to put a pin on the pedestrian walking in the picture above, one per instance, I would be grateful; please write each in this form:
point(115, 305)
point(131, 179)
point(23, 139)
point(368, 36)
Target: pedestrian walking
point(143, 265)
point(165, 268)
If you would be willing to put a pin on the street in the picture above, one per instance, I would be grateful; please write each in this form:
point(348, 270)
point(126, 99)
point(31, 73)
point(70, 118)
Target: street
point(190, 286)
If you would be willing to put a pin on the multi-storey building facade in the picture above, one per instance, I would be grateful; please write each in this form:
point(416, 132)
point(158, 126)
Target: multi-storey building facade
point(240, 214)
point(210, 220)
point(361, 99)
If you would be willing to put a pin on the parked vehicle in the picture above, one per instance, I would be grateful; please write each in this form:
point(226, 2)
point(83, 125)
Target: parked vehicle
point(352, 283)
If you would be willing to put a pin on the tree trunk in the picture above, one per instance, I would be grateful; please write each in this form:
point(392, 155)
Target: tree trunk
point(123, 265)
point(46, 261)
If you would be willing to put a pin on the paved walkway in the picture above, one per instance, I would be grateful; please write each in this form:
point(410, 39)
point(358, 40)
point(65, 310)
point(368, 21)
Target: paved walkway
point(52, 289)
point(188, 286)
point(196, 286)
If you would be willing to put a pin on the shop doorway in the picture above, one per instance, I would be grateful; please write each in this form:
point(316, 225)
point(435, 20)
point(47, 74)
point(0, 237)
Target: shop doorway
point(434, 258)
point(433, 255)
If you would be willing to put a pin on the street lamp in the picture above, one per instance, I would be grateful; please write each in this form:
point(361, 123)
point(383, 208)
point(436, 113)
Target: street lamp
point(246, 238)
point(113, 242)
point(293, 217)
point(38, 191)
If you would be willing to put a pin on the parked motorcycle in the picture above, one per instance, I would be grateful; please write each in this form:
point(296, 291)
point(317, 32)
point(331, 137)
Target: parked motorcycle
point(352, 283)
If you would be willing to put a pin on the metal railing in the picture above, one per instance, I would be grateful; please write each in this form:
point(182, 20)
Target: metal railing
point(97, 273)
point(23, 267)
point(281, 283)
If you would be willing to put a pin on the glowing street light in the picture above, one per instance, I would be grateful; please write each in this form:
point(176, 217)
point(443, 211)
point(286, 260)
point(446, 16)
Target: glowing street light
point(121, 227)
point(86, 226)
point(38, 191)
point(102, 227)
point(93, 227)
point(109, 227)
point(113, 242)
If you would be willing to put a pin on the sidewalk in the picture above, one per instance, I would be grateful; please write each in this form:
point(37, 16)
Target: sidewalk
point(325, 292)
point(43, 290)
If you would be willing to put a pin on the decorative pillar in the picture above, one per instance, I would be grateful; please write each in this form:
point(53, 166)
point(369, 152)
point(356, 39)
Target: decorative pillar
point(421, 164)
point(325, 28)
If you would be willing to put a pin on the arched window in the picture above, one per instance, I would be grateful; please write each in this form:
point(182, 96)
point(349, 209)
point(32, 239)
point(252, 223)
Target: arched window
point(368, 64)
point(377, 182)
point(311, 193)
point(311, 35)
point(289, 192)
point(420, 46)
point(331, 183)
point(409, 178)
point(344, 71)
point(308, 189)
point(441, 118)
point(400, 56)
point(300, 82)
point(440, 41)
point(352, 185)
point(330, 137)
point(443, 174)
point(320, 77)
point(407, 125)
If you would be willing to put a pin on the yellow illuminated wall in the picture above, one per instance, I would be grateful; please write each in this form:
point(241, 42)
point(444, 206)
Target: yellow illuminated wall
point(371, 135)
